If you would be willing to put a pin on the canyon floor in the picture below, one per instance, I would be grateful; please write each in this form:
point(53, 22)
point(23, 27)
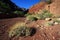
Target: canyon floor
point(43, 33)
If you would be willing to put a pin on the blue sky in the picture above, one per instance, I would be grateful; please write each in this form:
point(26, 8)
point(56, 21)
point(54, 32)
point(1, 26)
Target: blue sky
point(25, 3)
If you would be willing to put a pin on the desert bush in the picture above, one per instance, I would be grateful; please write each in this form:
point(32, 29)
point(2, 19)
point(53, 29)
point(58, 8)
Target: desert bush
point(43, 15)
point(49, 23)
point(20, 30)
point(19, 13)
point(38, 16)
point(3, 5)
point(31, 18)
point(58, 21)
point(47, 15)
point(49, 1)
point(27, 14)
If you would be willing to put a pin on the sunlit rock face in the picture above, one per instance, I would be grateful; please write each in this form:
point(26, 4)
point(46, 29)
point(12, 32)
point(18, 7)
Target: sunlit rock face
point(54, 7)
point(37, 7)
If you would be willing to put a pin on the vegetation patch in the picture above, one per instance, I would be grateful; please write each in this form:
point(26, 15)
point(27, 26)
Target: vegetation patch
point(27, 14)
point(49, 1)
point(44, 14)
point(31, 18)
point(3, 5)
point(22, 30)
point(41, 16)
point(49, 23)
point(19, 13)
point(57, 20)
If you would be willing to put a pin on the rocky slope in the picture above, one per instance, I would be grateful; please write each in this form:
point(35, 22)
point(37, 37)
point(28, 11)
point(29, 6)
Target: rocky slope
point(37, 7)
point(42, 33)
point(54, 7)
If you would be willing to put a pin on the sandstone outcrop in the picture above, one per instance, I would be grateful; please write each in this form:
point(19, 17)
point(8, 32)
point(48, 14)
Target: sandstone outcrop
point(54, 7)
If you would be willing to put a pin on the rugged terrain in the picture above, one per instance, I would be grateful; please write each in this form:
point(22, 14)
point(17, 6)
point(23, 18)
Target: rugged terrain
point(54, 7)
point(42, 32)
point(7, 9)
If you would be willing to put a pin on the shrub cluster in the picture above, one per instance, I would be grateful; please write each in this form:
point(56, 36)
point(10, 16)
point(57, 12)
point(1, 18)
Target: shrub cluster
point(21, 30)
point(19, 13)
point(3, 5)
point(57, 20)
point(51, 23)
point(49, 1)
point(45, 14)
point(41, 16)
point(31, 18)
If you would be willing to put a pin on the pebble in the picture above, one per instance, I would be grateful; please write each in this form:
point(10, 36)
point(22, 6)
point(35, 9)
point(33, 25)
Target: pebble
point(48, 19)
point(53, 37)
point(56, 23)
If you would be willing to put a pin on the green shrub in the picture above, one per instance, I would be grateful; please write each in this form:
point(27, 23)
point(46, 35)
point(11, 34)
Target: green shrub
point(31, 18)
point(49, 1)
point(47, 15)
point(27, 14)
point(21, 30)
point(43, 15)
point(38, 16)
point(49, 23)
point(19, 13)
point(3, 5)
point(57, 21)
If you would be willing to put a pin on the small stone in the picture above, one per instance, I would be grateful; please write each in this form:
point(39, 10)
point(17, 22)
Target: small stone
point(53, 37)
point(48, 19)
point(56, 23)
point(50, 28)
point(38, 25)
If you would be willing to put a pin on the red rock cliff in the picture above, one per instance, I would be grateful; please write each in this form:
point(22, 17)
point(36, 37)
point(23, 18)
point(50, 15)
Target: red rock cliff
point(54, 7)
point(35, 8)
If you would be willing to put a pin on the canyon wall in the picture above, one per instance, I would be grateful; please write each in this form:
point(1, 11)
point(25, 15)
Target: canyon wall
point(54, 7)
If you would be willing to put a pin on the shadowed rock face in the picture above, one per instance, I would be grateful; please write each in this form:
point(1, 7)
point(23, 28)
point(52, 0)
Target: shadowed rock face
point(7, 9)
point(8, 5)
point(54, 7)
point(11, 4)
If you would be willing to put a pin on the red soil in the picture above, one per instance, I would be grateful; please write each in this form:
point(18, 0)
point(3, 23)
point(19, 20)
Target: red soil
point(45, 33)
